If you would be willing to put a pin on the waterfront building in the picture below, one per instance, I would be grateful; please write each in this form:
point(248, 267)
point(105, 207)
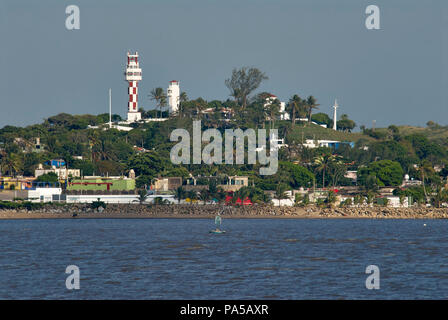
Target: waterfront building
point(101, 184)
point(165, 184)
point(235, 183)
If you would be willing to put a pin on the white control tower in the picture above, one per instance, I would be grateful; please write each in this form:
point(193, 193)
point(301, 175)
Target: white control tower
point(133, 76)
point(173, 94)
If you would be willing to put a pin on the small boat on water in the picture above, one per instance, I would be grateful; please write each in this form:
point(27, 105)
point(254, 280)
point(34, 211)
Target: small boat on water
point(217, 231)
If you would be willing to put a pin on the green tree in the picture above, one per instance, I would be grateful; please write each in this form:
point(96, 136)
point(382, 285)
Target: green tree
point(179, 194)
point(280, 193)
point(48, 177)
point(243, 82)
point(273, 109)
point(11, 163)
point(204, 195)
point(182, 99)
point(311, 103)
point(142, 195)
point(295, 107)
point(323, 163)
point(331, 198)
point(193, 195)
point(387, 173)
point(345, 124)
point(425, 170)
point(322, 118)
point(158, 95)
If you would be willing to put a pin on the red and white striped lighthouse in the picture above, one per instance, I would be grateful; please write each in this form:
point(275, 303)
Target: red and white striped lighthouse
point(133, 76)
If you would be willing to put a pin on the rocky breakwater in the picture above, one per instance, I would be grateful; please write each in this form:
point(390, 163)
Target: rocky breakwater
point(208, 211)
point(381, 212)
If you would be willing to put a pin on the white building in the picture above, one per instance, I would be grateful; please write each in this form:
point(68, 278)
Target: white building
point(273, 139)
point(173, 94)
point(124, 198)
point(44, 194)
point(63, 173)
point(310, 143)
point(284, 115)
point(133, 75)
point(288, 202)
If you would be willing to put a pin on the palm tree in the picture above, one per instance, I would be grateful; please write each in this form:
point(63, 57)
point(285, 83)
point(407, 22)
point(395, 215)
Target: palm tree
point(243, 194)
point(200, 104)
point(295, 105)
point(159, 96)
point(193, 195)
point(11, 163)
point(182, 98)
point(179, 194)
point(204, 195)
point(311, 103)
point(323, 163)
point(338, 169)
point(425, 169)
point(142, 195)
point(235, 197)
point(280, 193)
point(273, 109)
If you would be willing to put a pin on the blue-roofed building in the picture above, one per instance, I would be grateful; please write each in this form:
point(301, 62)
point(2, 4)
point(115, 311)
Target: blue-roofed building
point(58, 163)
point(310, 143)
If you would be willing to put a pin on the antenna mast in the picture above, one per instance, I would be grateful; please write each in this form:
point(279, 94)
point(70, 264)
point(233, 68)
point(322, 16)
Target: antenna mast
point(110, 108)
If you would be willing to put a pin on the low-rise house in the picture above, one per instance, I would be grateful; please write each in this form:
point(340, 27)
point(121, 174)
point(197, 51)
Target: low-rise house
point(235, 183)
point(56, 163)
point(166, 184)
point(283, 114)
point(17, 183)
point(63, 173)
point(46, 193)
point(289, 201)
point(102, 184)
point(352, 175)
point(409, 182)
point(310, 143)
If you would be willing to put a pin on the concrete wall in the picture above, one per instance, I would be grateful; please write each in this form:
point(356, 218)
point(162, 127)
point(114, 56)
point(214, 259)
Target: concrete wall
point(124, 199)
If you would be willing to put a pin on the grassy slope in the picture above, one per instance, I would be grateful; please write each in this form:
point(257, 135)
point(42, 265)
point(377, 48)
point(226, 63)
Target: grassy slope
point(319, 133)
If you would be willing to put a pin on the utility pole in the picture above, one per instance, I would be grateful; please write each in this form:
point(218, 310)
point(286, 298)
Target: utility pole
point(110, 108)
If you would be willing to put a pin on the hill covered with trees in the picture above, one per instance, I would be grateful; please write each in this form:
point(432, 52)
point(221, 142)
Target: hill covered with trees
point(381, 156)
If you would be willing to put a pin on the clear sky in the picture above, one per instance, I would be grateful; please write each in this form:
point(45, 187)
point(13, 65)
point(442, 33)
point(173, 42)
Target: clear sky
point(395, 75)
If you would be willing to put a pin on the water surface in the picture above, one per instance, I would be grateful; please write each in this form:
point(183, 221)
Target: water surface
point(255, 259)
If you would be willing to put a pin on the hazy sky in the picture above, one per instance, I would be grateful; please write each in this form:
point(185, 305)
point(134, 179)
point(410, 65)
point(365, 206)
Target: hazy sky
point(314, 47)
